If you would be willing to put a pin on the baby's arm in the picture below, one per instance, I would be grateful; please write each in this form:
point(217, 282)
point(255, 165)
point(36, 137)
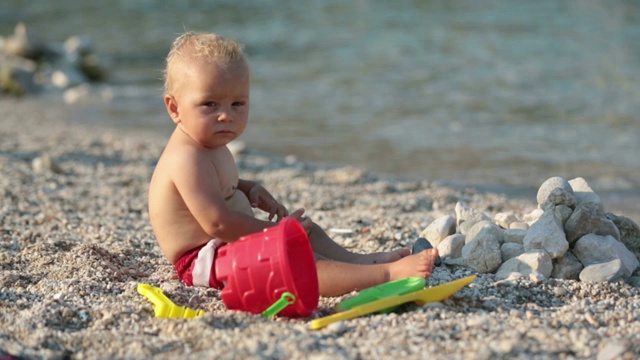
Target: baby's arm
point(259, 197)
point(196, 179)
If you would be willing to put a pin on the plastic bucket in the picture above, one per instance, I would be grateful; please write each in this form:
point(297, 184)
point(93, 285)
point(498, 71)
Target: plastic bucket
point(258, 268)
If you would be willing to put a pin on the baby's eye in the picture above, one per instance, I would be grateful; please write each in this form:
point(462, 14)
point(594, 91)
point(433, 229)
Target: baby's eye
point(239, 103)
point(209, 104)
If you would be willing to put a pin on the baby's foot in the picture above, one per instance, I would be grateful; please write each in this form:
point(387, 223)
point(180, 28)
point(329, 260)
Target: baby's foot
point(420, 264)
point(382, 257)
point(422, 244)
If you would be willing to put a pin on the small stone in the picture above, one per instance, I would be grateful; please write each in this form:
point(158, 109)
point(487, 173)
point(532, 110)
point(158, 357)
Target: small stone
point(467, 213)
point(519, 225)
point(559, 291)
point(451, 246)
point(549, 185)
point(533, 216)
point(514, 236)
point(567, 267)
point(560, 196)
point(439, 229)
point(584, 193)
point(608, 271)
point(526, 264)
point(464, 227)
point(511, 250)
point(505, 219)
point(629, 232)
point(485, 228)
point(588, 219)
point(593, 249)
point(44, 163)
point(563, 213)
point(547, 234)
point(612, 350)
point(483, 253)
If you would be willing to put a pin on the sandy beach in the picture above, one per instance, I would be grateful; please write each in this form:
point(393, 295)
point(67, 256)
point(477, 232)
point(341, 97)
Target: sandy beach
point(75, 241)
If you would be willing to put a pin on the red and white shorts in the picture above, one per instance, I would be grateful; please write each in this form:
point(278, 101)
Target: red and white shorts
point(197, 266)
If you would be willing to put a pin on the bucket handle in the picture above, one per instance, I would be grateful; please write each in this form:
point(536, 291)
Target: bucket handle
point(286, 299)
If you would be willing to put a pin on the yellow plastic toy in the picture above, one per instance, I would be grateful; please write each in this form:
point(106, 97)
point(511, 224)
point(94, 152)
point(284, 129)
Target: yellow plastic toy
point(421, 297)
point(165, 308)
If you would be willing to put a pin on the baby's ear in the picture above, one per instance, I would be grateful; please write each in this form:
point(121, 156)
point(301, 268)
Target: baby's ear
point(172, 108)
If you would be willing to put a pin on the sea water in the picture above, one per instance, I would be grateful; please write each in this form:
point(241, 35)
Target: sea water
point(495, 94)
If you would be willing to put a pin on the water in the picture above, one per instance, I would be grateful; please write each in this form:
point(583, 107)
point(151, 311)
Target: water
point(495, 94)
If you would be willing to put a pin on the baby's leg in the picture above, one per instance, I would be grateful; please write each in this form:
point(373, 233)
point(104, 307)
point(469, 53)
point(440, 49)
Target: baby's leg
point(324, 245)
point(339, 278)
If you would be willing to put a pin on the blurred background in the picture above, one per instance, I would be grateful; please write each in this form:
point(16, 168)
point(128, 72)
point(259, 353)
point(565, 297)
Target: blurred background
point(495, 94)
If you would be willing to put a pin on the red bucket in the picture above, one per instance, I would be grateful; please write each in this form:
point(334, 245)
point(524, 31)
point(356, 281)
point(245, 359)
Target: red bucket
point(258, 268)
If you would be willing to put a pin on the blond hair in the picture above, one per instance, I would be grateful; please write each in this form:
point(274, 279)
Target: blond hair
point(202, 46)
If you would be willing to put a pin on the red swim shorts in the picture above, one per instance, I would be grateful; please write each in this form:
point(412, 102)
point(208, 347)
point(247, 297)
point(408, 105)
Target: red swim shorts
point(197, 266)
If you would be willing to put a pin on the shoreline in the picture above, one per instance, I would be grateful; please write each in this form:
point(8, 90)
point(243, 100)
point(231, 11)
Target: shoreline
point(618, 193)
point(75, 243)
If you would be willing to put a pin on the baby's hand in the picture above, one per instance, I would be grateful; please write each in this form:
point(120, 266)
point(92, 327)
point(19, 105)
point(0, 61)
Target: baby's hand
point(305, 221)
point(260, 198)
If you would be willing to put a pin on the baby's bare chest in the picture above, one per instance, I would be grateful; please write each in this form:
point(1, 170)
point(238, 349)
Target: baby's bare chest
point(226, 170)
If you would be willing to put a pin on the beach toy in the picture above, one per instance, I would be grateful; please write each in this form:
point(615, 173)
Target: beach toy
point(421, 297)
point(284, 301)
point(397, 287)
point(259, 268)
point(165, 308)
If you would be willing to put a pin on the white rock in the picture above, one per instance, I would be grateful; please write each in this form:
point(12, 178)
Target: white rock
point(44, 164)
point(451, 246)
point(514, 236)
point(563, 213)
point(547, 234)
point(439, 229)
point(466, 213)
point(533, 216)
point(607, 271)
point(584, 193)
point(483, 253)
point(560, 196)
point(519, 225)
point(566, 267)
point(484, 227)
point(464, 227)
point(549, 185)
point(593, 249)
point(67, 77)
point(537, 277)
point(588, 219)
point(526, 264)
point(511, 250)
point(505, 219)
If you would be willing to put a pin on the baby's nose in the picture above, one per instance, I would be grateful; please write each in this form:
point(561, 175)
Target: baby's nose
point(225, 115)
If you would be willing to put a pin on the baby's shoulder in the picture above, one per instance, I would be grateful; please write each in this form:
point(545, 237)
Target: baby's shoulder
point(179, 152)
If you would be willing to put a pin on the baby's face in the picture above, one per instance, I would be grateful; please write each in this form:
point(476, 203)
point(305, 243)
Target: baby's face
point(213, 103)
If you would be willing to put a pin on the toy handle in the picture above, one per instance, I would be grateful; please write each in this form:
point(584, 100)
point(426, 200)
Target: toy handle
point(285, 300)
point(165, 308)
point(156, 296)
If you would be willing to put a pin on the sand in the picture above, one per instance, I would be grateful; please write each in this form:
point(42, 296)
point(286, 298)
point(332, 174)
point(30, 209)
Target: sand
point(75, 242)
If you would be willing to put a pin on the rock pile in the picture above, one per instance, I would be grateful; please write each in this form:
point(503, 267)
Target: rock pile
point(569, 236)
point(29, 65)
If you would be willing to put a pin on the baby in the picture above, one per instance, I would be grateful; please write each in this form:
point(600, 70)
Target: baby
point(198, 203)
